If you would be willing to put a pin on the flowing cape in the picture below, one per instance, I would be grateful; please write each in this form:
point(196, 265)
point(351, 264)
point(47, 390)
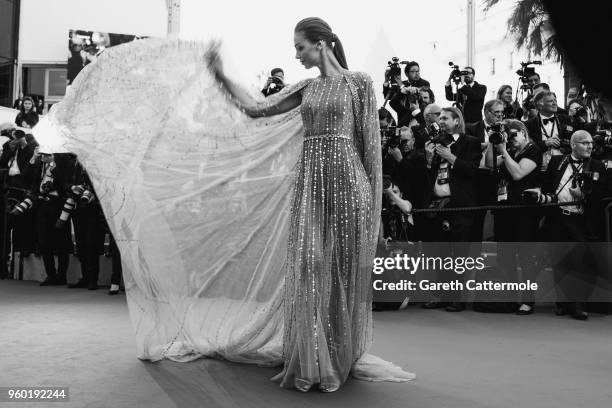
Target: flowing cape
point(196, 194)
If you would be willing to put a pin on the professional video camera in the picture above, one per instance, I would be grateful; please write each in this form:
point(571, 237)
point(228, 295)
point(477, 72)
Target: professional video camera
point(393, 70)
point(456, 73)
point(525, 72)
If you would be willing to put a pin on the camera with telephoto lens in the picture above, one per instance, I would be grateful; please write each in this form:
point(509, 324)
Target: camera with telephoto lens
point(22, 207)
point(603, 138)
point(390, 137)
point(585, 180)
point(499, 133)
point(531, 196)
point(456, 73)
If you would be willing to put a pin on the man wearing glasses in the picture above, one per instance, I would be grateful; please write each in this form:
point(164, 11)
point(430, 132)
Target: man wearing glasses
point(493, 113)
point(569, 178)
point(470, 95)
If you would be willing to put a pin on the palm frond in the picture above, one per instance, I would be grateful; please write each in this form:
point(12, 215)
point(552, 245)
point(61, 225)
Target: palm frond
point(528, 23)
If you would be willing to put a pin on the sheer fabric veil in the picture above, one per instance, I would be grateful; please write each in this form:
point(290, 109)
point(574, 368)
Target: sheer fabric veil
point(196, 194)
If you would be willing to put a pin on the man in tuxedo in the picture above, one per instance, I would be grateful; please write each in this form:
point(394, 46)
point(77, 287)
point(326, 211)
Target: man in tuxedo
point(452, 160)
point(470, 96)
point(549, 130)
point(575, 177)
point(493, 113)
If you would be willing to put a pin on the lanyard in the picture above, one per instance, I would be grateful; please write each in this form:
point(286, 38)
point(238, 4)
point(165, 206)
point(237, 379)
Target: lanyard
point(552, 130)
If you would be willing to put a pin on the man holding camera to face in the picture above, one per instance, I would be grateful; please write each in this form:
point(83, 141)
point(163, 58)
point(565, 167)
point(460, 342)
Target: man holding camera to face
point(574, 177)
point(15, 160)
point(275, 82)
point(470, 94)
point(407, 100)
point(452, 159)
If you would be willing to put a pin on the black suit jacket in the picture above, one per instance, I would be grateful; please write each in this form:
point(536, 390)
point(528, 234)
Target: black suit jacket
point(593, 207)
point(471, 98)
point(477, 130)
point(565, 130)
point(462, 175)
point(399, 103)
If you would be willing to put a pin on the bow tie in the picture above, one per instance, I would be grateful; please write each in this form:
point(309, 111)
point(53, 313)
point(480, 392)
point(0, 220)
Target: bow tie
point(547, 121)
point(577, 161)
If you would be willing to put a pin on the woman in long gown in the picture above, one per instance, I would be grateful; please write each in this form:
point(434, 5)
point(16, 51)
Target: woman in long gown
point(334, 213)
point(200, 198)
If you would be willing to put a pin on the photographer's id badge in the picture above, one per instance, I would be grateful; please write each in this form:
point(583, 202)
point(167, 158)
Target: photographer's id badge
point(443, 173)
point(502, 191)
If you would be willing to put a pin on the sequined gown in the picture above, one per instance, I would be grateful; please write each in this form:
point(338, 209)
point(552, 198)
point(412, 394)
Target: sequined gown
point(205, 201)
point(327, 285)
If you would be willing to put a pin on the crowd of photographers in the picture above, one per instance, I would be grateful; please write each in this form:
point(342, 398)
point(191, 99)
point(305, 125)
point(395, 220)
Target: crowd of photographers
point(543, 172)
point(45, 197)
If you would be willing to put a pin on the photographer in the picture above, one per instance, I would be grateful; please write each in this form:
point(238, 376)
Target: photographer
point(275, 82)
point(517, 159)
point(549, 129)
point(533, 78)
point(452, 159)
point(49, 174)
point(15, 160)
point(578, 117)
point(429, 129)
point(574, 177)
point(407, 99)
point(470, 95)
point(89, 225)
point(397, 222)
point(409, 173)
point(602, 135)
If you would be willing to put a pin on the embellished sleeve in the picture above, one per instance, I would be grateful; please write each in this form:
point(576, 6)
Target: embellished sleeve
point(371, 153)
point(280, 102)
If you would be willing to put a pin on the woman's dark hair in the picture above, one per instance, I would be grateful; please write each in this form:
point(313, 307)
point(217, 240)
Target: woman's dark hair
point(315, 29)
point(28, 98)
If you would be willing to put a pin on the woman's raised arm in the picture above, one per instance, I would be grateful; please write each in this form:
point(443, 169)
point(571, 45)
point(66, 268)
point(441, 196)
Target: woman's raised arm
point(271, 106)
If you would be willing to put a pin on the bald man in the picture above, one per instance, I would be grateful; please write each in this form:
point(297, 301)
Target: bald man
point(569, 178)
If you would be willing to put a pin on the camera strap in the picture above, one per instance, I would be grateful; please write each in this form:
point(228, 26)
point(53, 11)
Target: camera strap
point(575, 170)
